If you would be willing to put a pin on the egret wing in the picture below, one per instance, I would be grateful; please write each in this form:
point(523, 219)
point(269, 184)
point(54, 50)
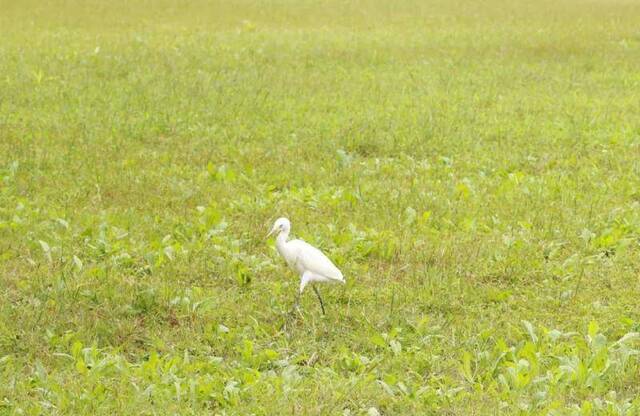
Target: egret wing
point(315, 261)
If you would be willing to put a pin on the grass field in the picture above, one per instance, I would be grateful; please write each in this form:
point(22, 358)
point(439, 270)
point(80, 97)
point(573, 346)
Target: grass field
point(473, 167)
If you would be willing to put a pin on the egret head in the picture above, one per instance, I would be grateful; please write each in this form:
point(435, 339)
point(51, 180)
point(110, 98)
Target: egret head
point(281, 225)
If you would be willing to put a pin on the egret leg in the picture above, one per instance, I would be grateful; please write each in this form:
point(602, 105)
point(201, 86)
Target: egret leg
point(296, 307)
point(305, 279)
point(296, 304)
point(315, 289)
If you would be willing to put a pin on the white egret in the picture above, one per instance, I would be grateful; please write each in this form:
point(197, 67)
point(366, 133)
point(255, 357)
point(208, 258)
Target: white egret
point(311, 263)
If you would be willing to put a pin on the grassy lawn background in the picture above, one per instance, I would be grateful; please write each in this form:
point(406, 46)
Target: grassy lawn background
point(471, 166)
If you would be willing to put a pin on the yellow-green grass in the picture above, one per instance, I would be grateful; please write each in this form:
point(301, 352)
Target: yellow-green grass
point(473, 167)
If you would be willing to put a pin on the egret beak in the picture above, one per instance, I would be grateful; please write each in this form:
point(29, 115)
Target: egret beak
point(271, 232)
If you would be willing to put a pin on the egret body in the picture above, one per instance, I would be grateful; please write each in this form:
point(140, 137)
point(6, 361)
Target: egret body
point(312, 265)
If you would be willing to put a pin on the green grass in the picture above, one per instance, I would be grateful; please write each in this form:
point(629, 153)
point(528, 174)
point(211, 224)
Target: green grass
point(473, 167)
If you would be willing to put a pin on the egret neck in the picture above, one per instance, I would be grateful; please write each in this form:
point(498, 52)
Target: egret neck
point(281, 243)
